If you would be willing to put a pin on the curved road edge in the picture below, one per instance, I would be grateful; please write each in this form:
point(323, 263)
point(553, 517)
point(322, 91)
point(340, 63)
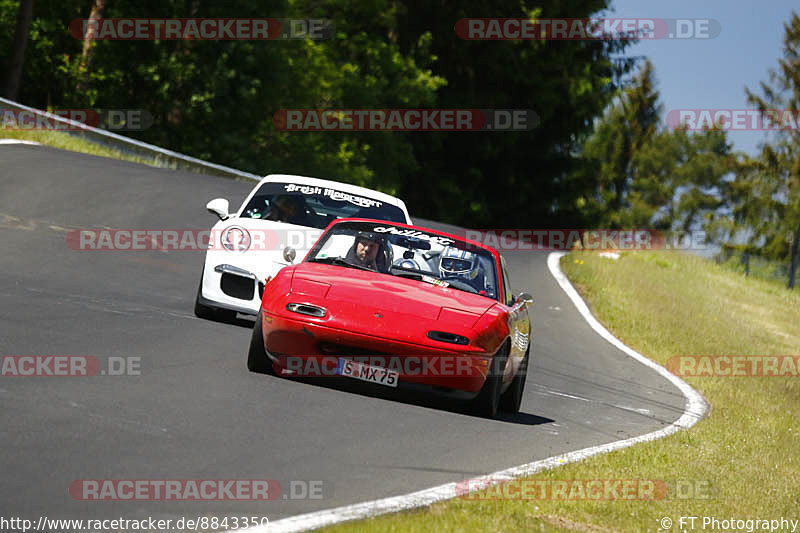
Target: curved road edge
point(696, 408)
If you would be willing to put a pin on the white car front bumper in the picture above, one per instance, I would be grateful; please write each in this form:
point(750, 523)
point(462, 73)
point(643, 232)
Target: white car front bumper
point(235, 283)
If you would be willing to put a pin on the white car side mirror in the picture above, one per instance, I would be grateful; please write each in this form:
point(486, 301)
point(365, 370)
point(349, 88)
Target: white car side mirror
point(219, 206)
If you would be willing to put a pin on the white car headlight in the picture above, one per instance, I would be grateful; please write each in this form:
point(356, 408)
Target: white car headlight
point(236, 239)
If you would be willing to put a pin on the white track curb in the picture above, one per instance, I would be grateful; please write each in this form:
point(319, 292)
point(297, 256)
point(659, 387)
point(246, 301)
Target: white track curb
point(696, 407)
point(18, 141)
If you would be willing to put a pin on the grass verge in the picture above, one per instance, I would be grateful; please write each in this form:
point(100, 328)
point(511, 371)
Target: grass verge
point(760, 268)
point(741, 462)
point(73, 143)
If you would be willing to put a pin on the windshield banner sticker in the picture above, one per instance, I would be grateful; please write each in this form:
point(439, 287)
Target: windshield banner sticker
point(443, 241)
point(353, 199)
point(340, 196)
point(305, 189)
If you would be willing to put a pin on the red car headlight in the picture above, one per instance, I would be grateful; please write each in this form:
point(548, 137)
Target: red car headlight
point(443, 336)
point(307, 309)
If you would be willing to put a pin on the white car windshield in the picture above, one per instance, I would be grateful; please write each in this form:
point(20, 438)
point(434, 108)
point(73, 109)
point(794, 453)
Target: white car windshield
point(411, 253)
point(315, 207)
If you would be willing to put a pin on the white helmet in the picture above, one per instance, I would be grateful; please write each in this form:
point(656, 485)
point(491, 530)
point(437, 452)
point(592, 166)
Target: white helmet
point(455, 262)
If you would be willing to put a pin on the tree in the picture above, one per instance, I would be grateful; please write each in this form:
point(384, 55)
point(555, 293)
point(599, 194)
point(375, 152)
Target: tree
point(648, 176)
point(16, 58)
point(362, 67)
point(98, 7)
point(509, 179)
point(691, 174)
point(613, 155)
point(769, 201)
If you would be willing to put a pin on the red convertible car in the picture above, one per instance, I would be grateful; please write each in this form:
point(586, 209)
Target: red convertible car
point(393, 304)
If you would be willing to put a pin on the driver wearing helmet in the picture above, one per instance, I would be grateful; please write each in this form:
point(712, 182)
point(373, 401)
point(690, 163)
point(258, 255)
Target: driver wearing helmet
point(369, 250)
point(288, 208)
point(462, 265)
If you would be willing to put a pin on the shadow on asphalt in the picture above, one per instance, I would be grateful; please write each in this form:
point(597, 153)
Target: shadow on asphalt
point(412, 396)
point(233, 320)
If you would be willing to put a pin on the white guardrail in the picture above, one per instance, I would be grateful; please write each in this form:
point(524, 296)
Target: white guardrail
point(158, 156)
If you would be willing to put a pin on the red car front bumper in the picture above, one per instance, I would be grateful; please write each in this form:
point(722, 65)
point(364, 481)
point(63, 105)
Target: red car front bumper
point(300, 348)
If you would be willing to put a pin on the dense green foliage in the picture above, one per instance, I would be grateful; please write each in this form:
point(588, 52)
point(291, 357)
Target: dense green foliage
point(216, 99)
point(600, 155)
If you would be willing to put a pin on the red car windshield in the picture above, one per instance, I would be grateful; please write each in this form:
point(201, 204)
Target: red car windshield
point(411, 253)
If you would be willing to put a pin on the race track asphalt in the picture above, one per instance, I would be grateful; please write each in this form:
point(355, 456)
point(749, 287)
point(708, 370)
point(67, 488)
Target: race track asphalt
point(195, 412)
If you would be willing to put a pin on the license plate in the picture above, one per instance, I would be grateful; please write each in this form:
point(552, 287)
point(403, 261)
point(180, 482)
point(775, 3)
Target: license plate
point(372, 374)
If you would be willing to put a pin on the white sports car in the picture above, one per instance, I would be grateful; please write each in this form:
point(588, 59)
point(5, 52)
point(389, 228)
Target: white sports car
point(282, 216)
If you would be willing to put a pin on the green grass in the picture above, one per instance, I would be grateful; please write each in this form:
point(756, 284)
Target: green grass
point(745, 455)
point(760, 268)
point(73, 143)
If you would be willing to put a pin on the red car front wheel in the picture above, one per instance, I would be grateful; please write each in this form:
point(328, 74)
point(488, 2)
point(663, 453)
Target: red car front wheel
point(511, 400)
point(257, 358)
point(487, 403)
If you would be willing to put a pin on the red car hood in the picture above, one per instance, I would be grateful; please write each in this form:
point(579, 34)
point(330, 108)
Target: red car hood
point(385, 305)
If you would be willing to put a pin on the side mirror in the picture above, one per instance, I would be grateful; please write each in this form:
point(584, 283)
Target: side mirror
point(525, 298)
point(219, 206)
point(289, 254)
